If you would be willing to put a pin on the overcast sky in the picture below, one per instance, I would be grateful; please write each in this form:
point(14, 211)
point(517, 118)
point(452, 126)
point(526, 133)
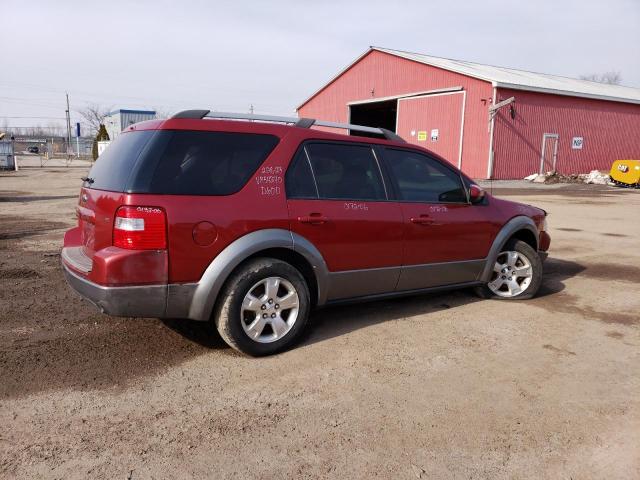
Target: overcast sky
point(227, 55)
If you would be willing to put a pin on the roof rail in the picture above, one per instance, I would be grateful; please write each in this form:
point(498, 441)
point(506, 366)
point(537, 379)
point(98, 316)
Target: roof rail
point(298, 122)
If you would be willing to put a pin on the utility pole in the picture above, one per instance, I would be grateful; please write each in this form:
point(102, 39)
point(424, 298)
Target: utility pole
point(251, 109)
point(78, 140)
point(68, 130)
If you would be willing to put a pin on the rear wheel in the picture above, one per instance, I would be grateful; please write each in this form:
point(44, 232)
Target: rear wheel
point(517, 273)
point(263, 308)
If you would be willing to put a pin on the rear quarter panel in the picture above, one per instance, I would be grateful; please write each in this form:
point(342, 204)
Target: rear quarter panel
point(260, 204)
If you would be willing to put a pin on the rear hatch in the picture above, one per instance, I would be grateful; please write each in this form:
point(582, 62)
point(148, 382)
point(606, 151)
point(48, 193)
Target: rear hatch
point(150, 189)
point(104, 189)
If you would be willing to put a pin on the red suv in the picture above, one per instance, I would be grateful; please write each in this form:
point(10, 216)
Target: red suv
point(252, 224)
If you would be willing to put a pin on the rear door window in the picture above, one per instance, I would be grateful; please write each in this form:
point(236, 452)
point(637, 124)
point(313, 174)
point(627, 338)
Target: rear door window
point(299, 180)
point(419, 178)
point(209, 163)
point(348, 172)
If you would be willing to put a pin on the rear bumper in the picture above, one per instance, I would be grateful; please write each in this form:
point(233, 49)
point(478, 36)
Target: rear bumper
point(130, 301)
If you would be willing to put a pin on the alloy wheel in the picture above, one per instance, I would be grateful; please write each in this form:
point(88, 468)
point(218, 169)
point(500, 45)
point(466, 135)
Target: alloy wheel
point(512, 274)
point(269, 309)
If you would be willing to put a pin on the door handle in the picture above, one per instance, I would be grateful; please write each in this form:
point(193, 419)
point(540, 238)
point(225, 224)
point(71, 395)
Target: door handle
point(313, 219)
point(422, 220)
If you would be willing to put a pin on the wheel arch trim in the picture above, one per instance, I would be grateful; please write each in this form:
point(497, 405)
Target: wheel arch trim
point(513, 226)
point(218, 271)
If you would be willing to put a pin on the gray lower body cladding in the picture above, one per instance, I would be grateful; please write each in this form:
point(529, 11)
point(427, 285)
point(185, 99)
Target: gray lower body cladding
point(176, 300)
point(439, 274)
point(196, 300)
point(380, 281)
point(129, 301)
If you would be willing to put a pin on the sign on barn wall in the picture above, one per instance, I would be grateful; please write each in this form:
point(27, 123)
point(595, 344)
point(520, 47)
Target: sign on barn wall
point(577, 143)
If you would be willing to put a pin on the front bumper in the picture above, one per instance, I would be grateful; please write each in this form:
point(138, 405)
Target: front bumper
point(129, 301)
point(544, 241)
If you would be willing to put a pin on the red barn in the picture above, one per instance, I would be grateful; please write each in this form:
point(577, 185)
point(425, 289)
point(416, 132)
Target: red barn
point(492, 122)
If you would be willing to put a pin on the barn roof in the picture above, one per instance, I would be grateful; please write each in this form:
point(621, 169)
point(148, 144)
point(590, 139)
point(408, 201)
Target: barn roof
point(514, 79)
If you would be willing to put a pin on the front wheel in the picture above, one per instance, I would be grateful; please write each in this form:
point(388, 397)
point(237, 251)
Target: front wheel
point(263, 308)
point(516, 275)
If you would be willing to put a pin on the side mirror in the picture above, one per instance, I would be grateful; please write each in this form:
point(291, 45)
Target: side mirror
point(476, 194)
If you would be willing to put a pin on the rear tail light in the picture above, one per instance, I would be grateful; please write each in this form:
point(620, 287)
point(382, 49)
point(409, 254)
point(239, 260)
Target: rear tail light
point(140, 228)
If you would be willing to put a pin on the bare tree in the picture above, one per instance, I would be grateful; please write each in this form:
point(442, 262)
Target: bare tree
point(51, 130)
point(55, 129)
point(610, 78)
point(93, 115)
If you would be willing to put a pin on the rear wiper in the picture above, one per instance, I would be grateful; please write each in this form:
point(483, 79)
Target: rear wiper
point(89, 180)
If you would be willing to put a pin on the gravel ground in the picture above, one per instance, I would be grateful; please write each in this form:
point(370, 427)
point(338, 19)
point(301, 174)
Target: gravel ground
point(435, 386)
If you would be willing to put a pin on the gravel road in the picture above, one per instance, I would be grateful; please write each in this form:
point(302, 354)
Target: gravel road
point(435, 386)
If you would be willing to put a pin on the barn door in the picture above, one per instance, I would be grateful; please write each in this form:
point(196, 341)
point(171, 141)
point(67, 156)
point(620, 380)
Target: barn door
point(549, 156)
point(434, 122)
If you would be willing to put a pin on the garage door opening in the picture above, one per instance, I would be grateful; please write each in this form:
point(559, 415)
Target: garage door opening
point(374, 114)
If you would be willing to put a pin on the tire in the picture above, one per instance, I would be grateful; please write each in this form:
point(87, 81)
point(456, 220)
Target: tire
point(502, 285)
point(248, 300)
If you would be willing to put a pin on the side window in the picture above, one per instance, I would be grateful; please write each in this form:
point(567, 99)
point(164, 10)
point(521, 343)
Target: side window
point(299, 178)
point(423, 179)
point(209, 163)
point(348, 172)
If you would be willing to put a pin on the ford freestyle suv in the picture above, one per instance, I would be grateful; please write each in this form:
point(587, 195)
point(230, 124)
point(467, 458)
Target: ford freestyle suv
point(252, 224)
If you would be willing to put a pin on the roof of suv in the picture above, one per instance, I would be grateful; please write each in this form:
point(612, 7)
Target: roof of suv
point(279, 126)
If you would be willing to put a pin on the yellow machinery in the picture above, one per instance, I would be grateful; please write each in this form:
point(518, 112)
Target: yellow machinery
point(626, 173)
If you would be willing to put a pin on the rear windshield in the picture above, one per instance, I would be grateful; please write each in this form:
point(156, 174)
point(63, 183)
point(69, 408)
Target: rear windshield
point(182, 162)
point(113, 168)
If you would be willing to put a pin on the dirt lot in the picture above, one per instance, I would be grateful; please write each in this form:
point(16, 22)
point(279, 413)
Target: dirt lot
point(440, 386)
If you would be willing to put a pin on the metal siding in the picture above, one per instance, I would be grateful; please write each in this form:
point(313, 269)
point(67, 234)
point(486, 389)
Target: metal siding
point(7, 159)
point(118, 120)
point(441, 112)
point(524, 80)
point(129, 118)
point(611, 131)
point(389, 75)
